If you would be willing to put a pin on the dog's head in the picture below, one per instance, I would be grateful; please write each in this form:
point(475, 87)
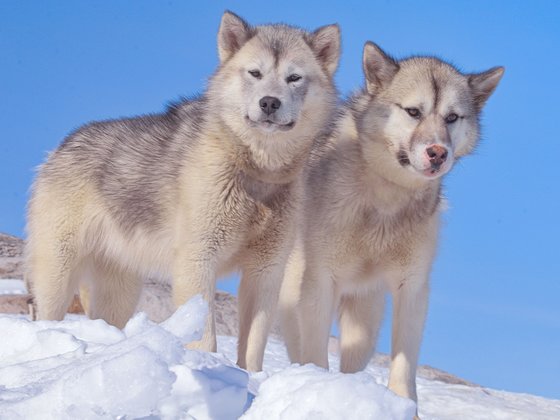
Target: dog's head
point(275, 81)
point(427, 111)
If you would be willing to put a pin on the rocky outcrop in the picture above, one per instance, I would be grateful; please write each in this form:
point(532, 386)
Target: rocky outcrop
point(11, 257)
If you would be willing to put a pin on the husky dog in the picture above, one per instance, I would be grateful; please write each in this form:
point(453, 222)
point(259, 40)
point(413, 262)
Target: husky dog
point(372, 211)
point(209, 186)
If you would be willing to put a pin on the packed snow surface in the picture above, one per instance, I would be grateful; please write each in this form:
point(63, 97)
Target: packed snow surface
point(86, 369)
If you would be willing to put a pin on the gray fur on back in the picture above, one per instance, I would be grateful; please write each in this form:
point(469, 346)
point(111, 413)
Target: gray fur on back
point(131, 161)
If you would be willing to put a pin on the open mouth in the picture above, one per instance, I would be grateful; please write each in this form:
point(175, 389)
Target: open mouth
point(431, 172)
point(269, 125)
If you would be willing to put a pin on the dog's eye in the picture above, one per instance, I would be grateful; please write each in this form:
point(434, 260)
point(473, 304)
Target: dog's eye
point(293, 78)
point(451, 118)
point(255, 73)
point(413, 112)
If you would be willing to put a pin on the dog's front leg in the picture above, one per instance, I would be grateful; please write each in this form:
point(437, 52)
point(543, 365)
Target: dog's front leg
point(195, 273)
point(262, 274)
point(410, 304)
point(316, 306)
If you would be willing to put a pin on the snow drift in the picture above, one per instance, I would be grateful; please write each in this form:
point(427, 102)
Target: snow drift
point(87, 369)
point(81, 368)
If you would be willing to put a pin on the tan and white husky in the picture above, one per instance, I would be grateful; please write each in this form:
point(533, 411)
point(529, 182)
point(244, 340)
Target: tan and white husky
point(209, 186)
point(372, 211)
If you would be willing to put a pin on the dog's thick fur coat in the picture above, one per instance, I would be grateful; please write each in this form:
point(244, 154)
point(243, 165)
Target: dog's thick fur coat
point(207, 187)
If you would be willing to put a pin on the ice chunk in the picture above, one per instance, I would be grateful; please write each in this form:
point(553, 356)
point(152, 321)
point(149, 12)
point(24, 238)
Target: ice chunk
point(212, 390)
point(187, 322)
point(26, 341)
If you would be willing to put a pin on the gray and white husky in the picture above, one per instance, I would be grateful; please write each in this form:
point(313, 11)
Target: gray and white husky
point(209, 186)
point(372, 211)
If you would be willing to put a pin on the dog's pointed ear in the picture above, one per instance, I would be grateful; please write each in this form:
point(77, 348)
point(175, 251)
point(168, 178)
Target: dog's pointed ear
point(325, 43)
point(379, 68)
point(483, 84)
point(233, 33)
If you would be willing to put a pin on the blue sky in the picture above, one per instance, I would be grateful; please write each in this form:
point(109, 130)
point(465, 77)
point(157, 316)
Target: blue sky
point(495, 305)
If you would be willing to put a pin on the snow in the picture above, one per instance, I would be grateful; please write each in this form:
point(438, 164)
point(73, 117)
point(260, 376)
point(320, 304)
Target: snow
point(308, 392)
point(81, 368)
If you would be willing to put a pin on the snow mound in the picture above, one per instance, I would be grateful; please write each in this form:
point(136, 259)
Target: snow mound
point(308, 392)
point(86, 369)
point(81, 368)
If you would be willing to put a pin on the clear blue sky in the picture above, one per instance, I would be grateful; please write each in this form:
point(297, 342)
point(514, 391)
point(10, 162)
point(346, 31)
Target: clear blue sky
point(495, 310)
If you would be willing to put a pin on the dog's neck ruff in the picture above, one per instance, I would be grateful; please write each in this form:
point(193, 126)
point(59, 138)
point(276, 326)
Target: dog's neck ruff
point(286, 174)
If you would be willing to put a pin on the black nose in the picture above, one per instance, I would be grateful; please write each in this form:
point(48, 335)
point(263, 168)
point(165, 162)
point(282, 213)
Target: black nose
point(269, 104)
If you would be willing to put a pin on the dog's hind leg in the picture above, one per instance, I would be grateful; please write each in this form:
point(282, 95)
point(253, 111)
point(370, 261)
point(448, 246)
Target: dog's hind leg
point(85, 297)
point(112, 293)
point(359, 320)
point(51, 272)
